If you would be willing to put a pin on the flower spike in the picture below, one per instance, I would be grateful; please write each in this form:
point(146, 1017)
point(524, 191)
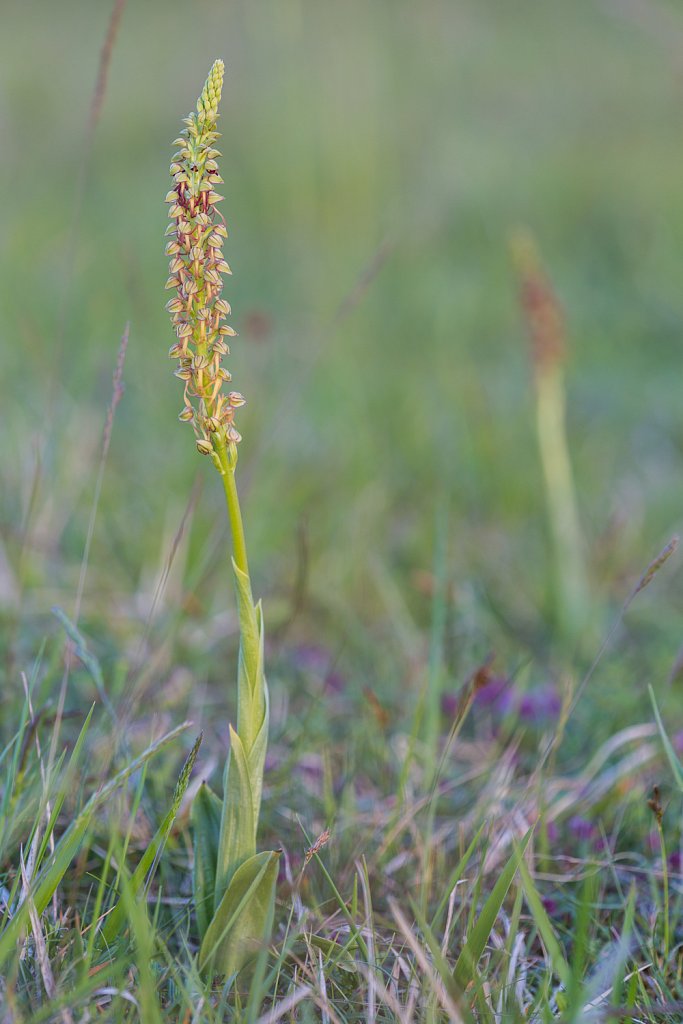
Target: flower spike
point(196, 267)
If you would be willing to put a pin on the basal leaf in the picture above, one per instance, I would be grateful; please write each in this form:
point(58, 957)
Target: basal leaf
point(250, 640)
point(206, 823)
point(238, 828)
point(244, 917)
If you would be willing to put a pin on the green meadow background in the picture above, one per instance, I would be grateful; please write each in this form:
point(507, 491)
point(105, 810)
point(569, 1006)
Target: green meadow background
point(377, 157)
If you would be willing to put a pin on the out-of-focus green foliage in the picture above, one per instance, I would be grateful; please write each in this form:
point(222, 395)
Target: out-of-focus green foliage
point(412, 135)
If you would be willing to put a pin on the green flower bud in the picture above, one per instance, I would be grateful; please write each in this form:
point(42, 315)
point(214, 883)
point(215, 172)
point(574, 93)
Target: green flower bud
point(207, 104)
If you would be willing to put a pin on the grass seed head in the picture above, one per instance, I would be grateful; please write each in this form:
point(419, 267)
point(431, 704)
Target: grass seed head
point(196, 267)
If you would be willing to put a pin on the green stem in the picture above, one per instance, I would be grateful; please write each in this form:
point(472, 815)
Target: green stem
point(665, 895)
point(570, 581)
point(227, 461)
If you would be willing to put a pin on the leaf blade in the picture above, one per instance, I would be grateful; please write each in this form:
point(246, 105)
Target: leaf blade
point(470, 954)
point(244, 917)
point(206, 822)
point(116, 918)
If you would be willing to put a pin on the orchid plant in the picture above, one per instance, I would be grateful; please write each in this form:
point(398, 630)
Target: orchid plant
point(234, 886)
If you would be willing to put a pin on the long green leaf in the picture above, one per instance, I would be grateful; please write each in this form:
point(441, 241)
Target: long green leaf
point(238, 829)
point(69, 775)
point(545, 928)
point(206, 824)
point(145, 940)
point(244, 918)
point(466, 963)
point(86, 656)
point(57, 801)
point(676, 766)
point(623, 948)
point(117, 917)
point(440, 964)
point(250, 628)
point(455, 877)
point(243, 777)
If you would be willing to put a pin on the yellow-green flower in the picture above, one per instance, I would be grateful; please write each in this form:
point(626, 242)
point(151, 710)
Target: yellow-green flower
point(196, 267)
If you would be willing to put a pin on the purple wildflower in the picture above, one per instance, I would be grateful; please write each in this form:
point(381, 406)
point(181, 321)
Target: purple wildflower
point(317, 661)
point(602, 844)
point(312, 658)
point(450, 703)
point(310, 767)
point(335, 682)
point(552, 832)
point(581, 828)
point(550, 906)
point(540, 706)
point(495, 694)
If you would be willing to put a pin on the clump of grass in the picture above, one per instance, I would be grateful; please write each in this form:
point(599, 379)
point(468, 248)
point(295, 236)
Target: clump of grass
point(233, 885)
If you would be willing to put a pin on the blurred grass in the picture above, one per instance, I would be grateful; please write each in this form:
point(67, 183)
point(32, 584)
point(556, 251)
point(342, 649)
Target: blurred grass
point(415, 136)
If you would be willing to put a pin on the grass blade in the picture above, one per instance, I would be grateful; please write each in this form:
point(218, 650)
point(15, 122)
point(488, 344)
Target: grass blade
point(466, 964)
point(545, 928)
point(676, 766)
point(206, 822)
point(116, 919)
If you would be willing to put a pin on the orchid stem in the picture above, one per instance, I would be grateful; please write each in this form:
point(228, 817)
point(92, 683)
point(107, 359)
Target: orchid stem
point(227, 462)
